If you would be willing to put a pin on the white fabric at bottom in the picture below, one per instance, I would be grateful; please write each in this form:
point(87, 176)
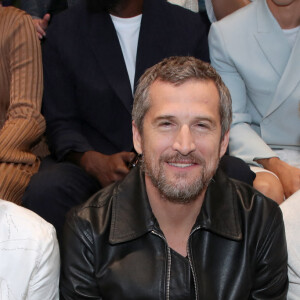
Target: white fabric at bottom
point(259, 169)
point(291, 211)
point(29, 255)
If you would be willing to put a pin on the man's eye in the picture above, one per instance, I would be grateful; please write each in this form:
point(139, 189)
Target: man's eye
point(202, 125)
point(165, 124)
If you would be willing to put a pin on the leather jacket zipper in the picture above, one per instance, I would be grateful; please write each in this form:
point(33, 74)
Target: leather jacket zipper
point(169, 261)
point(191, 264)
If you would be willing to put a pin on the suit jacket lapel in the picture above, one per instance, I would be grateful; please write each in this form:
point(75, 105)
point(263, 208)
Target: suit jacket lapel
point(108, 52)
point(153, 38)
point(290, 78)
point(271, 39)
point(284, 60)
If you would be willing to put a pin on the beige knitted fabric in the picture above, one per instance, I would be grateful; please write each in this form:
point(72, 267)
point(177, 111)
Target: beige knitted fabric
point(21, 86)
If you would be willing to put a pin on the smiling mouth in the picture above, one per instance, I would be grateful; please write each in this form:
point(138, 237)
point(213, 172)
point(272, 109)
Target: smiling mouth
point(181, 165)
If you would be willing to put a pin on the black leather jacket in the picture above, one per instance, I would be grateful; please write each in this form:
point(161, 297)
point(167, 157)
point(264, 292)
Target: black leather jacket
point(113, 247)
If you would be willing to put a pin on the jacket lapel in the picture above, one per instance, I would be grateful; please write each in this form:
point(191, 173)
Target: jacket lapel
point(132, 216)
point(290, 78)
point(271, 39)
point(284, 60)
point(153, 38)
point(219, 212)
point(131, 212)
point(152, 46)
point(107, 49)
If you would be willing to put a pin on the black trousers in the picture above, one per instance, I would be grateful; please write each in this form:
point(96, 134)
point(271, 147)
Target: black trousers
point(59, 186)
point(56, 188)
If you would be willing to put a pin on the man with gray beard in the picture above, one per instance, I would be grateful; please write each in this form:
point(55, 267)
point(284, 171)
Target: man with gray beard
point(176, 227)
point(93, 57)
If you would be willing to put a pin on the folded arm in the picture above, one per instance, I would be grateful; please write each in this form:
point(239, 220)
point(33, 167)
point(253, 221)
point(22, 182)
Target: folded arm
point(24, 124)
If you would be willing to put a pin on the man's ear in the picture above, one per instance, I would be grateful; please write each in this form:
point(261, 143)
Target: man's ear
point(137, 139)
point(224, 144)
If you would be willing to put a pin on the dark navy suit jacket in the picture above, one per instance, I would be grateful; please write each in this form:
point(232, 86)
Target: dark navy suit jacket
point(88, 99)
point(38, 8)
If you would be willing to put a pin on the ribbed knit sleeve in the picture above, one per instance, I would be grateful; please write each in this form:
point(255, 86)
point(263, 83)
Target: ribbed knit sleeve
point(21, 85)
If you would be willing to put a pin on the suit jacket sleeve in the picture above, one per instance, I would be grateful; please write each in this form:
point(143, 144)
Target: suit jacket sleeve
point(244, 141)
point(59, 103)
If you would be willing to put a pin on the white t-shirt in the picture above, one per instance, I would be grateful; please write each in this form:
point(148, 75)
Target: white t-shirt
point(128, 30)
point(29, 255)
point(291, 35)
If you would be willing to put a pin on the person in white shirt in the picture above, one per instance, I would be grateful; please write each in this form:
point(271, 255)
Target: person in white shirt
point(29, 252)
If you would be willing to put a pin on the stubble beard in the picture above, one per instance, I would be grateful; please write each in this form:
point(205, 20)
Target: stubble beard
point(178, 190)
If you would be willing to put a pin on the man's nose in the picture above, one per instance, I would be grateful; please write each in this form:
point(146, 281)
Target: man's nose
point(184, 141)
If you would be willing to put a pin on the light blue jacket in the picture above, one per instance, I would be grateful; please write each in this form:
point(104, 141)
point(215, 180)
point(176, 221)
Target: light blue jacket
point(262, 72)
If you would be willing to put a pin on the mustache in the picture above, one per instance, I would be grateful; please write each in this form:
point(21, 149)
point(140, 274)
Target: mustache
point(179, 158)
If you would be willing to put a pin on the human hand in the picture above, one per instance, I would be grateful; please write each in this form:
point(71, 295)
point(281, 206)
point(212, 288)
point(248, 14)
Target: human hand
point(106, 168)
point(41, 25)
point(288, 175)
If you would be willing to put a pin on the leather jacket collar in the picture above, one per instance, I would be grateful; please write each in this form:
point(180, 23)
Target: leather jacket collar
point(132, 216)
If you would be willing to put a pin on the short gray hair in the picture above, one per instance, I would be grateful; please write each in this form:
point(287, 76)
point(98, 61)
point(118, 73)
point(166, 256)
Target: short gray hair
point(178, 70)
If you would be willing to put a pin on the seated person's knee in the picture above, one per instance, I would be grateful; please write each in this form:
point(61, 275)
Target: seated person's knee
point(269, 185)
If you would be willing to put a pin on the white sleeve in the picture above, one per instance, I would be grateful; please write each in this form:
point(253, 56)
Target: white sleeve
point(45, 278)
